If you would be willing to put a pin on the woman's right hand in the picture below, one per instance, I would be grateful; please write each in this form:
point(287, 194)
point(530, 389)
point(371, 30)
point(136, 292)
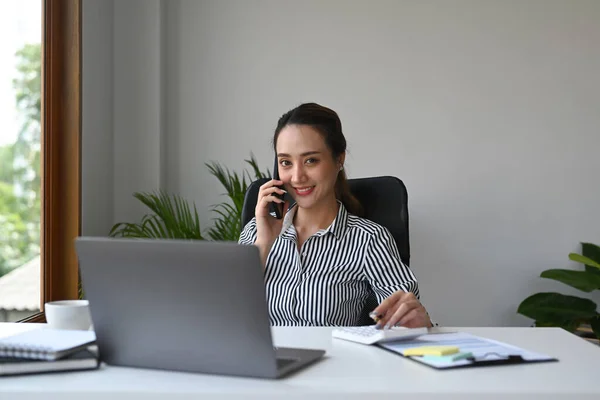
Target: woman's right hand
point(268, 227)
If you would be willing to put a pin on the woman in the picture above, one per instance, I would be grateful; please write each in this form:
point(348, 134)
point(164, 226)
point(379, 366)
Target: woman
point(321, 260)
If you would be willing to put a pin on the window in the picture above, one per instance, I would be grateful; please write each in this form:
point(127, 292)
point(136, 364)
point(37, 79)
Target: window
point(39, 154)
point(20, 187)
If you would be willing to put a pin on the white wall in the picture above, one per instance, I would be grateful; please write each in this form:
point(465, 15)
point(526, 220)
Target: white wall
point(488, 110)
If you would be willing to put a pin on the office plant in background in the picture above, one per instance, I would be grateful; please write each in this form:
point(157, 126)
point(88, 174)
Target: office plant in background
point(172, 217)
point(572, 313)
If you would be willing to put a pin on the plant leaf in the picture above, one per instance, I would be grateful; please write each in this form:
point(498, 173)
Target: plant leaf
point(595, 324)
point(592, 252)
point(117, 229)
point(557, 308)
point(172, 218)
point(153, 227)
point(229, 214)
point(126, 229)
point(581, 280)
point(227, 225)
point(257, 172)
point(544, 324)
point(570, 326)
point(584, 260)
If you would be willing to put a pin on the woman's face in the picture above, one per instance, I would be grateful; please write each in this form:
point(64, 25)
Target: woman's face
point(306, 165)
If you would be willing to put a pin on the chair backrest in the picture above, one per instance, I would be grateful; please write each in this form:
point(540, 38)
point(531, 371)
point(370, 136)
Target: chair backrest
point(384, 200)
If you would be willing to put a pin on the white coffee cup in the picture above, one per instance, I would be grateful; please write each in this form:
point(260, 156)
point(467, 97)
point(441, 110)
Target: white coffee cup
point(68, 314)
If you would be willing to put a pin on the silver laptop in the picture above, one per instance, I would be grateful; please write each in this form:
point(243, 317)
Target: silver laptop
point(196, 306)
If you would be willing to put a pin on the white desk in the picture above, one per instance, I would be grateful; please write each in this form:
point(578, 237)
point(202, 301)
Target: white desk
point(348, 371)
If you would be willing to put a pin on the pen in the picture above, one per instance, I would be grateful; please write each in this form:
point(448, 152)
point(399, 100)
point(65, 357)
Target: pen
point(375, 317)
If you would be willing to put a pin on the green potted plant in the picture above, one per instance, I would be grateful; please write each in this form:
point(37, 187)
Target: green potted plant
point(172, 217)
point(572, 313)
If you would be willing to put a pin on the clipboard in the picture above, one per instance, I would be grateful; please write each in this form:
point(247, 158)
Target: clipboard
point(482, 351)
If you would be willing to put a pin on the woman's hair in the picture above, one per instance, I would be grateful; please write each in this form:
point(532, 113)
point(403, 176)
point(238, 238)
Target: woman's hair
point(325, 121)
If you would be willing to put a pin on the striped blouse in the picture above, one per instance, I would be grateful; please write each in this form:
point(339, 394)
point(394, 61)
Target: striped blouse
point(328, 282)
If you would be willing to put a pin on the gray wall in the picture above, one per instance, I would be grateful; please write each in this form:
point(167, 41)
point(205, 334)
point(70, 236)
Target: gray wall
point(488, 110)
point(97, 120)
point(123, 117)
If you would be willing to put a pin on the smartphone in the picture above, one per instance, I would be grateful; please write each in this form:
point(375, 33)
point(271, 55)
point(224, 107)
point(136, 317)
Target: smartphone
point(276, 208)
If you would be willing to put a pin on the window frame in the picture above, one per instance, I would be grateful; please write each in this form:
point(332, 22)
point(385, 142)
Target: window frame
point(60, 152)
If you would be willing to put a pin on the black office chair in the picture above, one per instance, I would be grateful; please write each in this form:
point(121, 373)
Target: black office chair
point(384, 200)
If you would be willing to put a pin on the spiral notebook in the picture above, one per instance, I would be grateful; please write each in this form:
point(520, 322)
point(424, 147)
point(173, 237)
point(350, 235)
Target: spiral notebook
point(78, 361)
point(45, 344)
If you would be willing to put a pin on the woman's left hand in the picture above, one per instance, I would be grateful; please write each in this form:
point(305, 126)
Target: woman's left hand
point(401, 309)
